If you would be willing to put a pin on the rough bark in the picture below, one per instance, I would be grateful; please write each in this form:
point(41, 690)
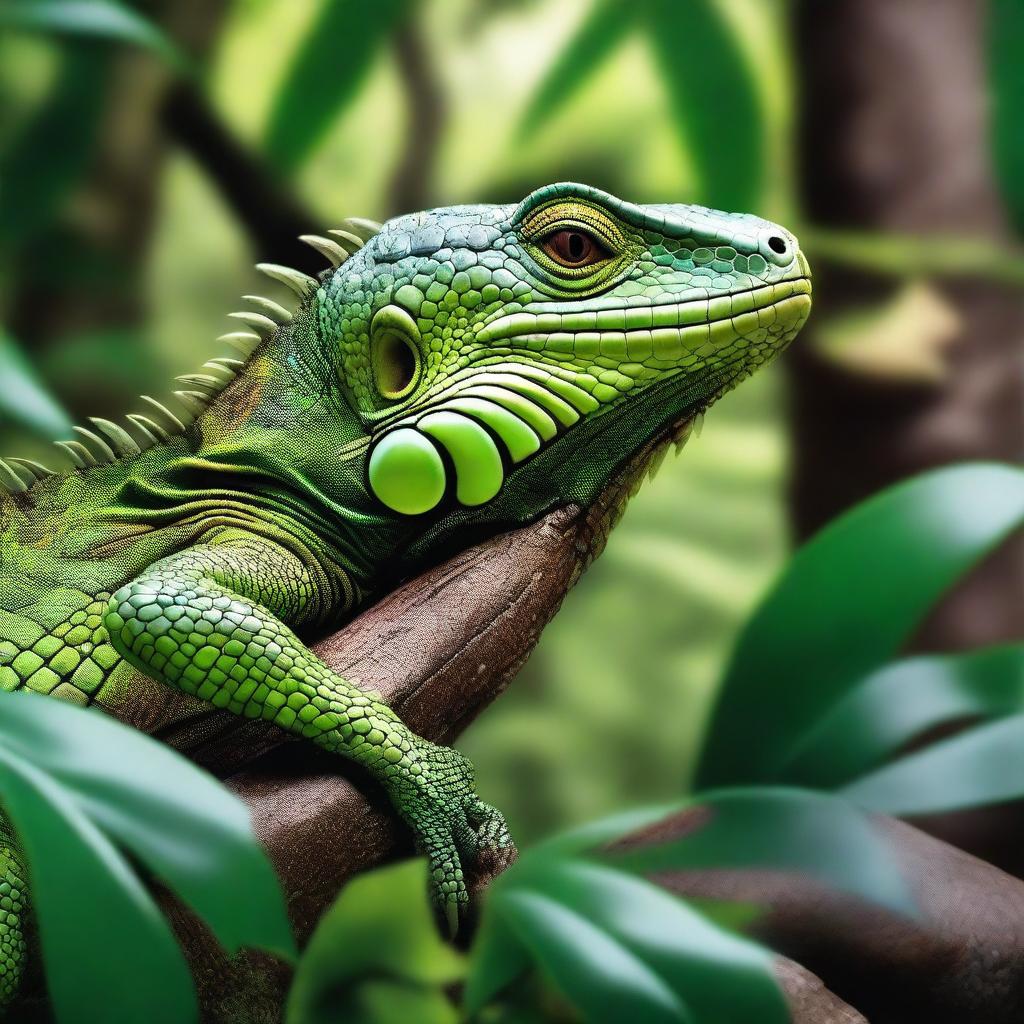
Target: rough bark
point(894, 138)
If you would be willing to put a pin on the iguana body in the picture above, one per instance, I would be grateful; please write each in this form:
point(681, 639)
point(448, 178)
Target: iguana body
point(462, 372)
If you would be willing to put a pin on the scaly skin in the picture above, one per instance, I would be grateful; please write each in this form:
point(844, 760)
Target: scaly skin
point(462, 373)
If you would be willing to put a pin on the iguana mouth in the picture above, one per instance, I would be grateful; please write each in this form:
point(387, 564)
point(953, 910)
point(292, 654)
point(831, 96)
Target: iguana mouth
point(651, 334)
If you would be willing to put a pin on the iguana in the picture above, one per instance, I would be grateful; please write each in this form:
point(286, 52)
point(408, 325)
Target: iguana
point(452, 374)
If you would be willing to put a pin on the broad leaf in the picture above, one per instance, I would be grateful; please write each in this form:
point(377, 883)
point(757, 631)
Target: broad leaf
point(714, 98)
point(601, 31)
point(816, 834)
point(325, 73)
point(102, 19)
point(91, 785)
point(981, 766)
point(174, 817)
point(378, 941)
point(32, 186)
point(903, 701)
point(106, 949)
point(597, 973)
point(846, 603)
point(24, 399)
point(1006, 72)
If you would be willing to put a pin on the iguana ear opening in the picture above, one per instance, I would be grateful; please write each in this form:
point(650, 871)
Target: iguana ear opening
point(395, 353)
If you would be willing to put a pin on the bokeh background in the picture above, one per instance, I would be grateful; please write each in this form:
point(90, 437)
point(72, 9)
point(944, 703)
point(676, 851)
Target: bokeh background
point(145, 165)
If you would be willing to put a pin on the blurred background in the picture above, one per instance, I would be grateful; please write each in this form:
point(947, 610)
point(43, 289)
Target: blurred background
point(151, 153)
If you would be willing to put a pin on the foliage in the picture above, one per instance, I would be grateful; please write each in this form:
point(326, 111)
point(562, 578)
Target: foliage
point(1006, 74)
point(325, 74)
point(24, 398)
point(717, 112)
point(844, 607)
point(78, 809)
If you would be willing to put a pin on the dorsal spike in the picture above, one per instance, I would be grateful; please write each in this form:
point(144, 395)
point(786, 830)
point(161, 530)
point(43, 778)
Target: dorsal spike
point(226, 364)
point(244, 341)
point(194, 401)
point(301, 284)
point(96, 444)
point(148, 426)
point(269, 308)
point(331, 251)
point(37, 469)
point(149, 438)
point(124, 443)
point(10, 480)
point(177, 426)
point(77, 453)
point(261, 324)
point(363, 226)
point(202, 380)
point(353, 241)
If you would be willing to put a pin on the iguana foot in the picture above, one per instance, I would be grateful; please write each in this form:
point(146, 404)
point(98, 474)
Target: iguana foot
point(466, 842)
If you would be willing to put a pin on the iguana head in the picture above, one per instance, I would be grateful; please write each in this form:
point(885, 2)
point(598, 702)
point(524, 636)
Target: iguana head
point(502, 358)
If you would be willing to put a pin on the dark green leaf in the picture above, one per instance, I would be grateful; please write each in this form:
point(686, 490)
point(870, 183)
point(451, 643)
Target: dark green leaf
point(598, 974)
point(54, 148)
point(714, 974)
point(901, 702)
point(984, 765)
point(101, 19)
point(325, 73)
point(24, 399)
point(380, 929)
point(816, 834)
point(602, 30)
point(108, 953)
point(845, 604)
point(498, 959)
point(1006, 71)
point(714, 98)
point(174, 817)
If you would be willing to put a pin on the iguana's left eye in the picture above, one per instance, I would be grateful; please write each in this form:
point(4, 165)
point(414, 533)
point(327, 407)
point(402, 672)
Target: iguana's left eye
point(574, 248)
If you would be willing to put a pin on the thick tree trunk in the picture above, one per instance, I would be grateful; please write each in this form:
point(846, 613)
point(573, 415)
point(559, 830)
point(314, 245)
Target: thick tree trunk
point(894, 138)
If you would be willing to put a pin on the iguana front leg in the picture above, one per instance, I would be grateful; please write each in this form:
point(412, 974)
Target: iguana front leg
point(208, 620)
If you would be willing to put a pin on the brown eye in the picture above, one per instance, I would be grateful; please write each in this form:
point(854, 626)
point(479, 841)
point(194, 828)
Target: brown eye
point(574, 248)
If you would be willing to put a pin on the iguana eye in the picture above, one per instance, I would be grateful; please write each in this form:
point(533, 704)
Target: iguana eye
point(396, 364)
point(574, 248)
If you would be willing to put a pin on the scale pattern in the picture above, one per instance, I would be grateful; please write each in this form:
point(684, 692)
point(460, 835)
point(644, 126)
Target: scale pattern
point(453, 373)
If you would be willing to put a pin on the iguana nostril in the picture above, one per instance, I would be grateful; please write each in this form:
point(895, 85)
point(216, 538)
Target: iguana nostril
point(777, 244)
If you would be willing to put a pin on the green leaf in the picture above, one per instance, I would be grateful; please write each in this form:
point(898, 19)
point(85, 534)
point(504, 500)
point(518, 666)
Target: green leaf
point(903, 701)
point(325, 73)
point(816, 834)
point(714, 98)
point(601, 977)
point(101, 19)
point(24, 399)
point(108, 953)
point(714, 974)
point(603, 29)
point(981, 766)
point(33, 183)
point(169, 814)
point(1006, 76)
point(845, 604)
point(498, 959)
point(379, 932)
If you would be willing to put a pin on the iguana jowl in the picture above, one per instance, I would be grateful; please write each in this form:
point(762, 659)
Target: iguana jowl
point(454, 373)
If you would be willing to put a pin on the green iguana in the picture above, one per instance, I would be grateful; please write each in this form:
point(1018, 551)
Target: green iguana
point(453, 374)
